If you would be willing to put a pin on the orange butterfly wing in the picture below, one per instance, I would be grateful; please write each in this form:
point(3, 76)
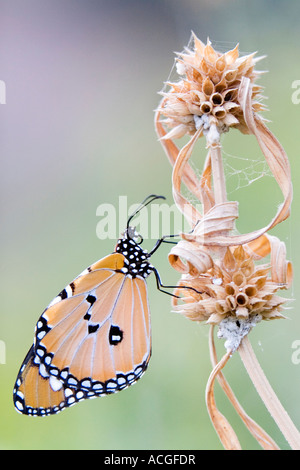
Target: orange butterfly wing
point(41, 395)
point(93, 339)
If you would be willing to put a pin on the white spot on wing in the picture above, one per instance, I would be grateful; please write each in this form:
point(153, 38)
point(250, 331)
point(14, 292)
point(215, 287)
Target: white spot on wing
point(55, 383)
point(85, 271)
point(19, 406)
point(42, 370)
point(41, 334)
point(55, 301)
point(69, 291)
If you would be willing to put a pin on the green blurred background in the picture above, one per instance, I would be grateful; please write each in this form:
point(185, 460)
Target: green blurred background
point(77, 130)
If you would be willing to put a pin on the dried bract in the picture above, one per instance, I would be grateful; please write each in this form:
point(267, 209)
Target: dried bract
point(208, 90)
point(234, 287)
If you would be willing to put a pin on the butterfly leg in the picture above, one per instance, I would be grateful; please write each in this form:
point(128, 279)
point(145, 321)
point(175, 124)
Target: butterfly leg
point(161, 286)
point(160, 241)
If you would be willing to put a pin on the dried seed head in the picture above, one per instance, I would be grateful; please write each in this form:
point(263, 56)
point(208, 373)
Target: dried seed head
point(241, 290)
point(209, 85)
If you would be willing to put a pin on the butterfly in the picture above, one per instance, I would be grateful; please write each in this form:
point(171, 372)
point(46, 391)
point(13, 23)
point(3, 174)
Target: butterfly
point(94, 338)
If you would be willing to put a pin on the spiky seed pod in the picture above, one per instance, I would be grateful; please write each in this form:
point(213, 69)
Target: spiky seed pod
point(208, 89)
point(234, 288)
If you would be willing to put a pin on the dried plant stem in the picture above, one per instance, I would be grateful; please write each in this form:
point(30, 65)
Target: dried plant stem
point(218, 175)
point(268, 395)
point(223, 428)
point(258, 433)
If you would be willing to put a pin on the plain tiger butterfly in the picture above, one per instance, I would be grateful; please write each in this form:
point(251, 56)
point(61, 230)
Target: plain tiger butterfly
point(94, 338)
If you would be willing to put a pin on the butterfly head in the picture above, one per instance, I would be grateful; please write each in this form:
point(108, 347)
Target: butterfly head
point(129, 243)
point(132, 234)
point(135, 258)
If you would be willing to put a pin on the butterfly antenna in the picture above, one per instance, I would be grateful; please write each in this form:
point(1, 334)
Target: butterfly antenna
point(148, 200)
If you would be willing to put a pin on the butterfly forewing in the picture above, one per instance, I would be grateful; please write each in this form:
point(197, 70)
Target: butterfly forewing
point(41, 395)
point(93, 339)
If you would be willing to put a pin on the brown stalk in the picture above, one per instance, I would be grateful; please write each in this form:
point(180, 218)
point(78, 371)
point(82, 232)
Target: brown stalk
point(223, 428)
point(268, 395)
point(258, 433)
point(218, 174)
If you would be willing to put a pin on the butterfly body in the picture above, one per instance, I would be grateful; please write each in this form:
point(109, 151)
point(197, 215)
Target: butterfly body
point(94, 338)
